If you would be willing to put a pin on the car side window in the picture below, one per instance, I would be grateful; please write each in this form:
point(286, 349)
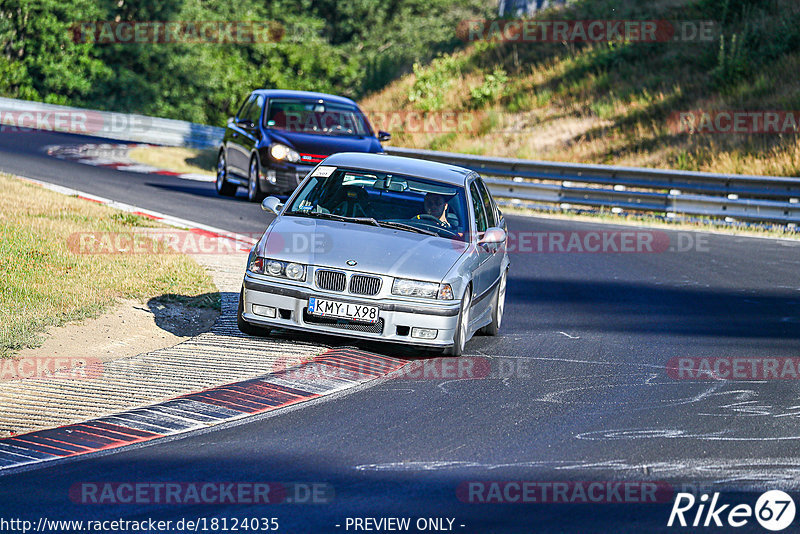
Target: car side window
point(488, 205)
point(244, 109)
point(477, 208)
point(254, 111)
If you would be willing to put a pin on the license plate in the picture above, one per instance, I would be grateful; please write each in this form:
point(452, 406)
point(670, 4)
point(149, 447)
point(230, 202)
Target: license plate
point(343, 310)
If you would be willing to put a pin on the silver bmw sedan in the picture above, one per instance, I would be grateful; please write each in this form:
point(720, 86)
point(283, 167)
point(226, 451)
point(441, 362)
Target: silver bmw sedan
point(384, 248)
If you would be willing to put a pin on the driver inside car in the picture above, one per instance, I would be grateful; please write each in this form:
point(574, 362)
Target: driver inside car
point(436, 207)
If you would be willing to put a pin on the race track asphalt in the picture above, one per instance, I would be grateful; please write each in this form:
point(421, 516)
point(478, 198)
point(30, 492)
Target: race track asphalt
point(579, 389)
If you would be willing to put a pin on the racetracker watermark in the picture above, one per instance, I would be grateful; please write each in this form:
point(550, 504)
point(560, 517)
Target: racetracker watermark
point(734, 122)
point(197, 241)
point(602, 242)
point(434, 122)
point(733, 368)
point(177, 32)
point(77, 122)
point(563, 492)
point(586, 31)
point(155, 241)
point(465, 368)
point(47, 368)
point(189, 493)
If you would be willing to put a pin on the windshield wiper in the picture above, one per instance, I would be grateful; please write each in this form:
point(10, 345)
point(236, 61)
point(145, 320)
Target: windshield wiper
point(364, 220)
point(403, 226)
point(334, 217)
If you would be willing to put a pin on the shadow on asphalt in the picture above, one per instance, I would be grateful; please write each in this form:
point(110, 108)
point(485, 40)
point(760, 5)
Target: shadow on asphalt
point(645, 308)
point(355, 493)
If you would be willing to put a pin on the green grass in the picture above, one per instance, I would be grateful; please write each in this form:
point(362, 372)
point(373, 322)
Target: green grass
point(45, 284)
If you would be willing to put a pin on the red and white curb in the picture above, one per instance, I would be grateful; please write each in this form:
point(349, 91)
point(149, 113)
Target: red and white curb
point(240, 242)
point(326, 373)
point(332, 371)
point(116, 157)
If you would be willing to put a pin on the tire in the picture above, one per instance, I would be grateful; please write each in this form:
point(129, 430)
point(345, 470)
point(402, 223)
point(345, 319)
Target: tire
point(224, 188)
point(498, 307)
point(244, 326)
point(254, 193)
point(460, 337)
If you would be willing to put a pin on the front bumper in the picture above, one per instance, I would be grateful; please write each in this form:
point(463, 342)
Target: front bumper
point(397, 318)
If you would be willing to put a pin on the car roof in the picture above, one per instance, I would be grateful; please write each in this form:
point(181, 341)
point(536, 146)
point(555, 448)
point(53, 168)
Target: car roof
point(306, 95)
point(421, 168)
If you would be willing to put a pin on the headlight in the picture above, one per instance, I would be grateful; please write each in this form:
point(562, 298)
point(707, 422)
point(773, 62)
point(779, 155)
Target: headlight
point(415, 288)
point(293, 271)
point(274, 267)
point(283, 153)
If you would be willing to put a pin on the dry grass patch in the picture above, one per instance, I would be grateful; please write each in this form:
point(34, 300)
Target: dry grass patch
point(610, 103)
point(176, 159)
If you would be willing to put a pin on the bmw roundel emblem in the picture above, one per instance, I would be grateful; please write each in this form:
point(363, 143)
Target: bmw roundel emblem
point(352, 262)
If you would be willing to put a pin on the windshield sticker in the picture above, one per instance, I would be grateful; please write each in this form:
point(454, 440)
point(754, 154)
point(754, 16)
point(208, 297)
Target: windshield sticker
point(324, 171)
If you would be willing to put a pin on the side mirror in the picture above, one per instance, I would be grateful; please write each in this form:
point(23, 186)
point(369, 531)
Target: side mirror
point(384, 136)
point(493, 236)
point(272, 205)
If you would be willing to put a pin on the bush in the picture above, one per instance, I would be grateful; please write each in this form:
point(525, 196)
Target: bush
point(432, 82)
point(490, 90)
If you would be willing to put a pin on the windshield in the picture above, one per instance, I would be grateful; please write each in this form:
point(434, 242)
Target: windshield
point(316, 117)
point(391, 200)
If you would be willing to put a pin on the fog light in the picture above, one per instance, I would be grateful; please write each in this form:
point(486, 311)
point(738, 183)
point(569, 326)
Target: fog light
point(272, 177)
point(266, 311)
point(424, 333)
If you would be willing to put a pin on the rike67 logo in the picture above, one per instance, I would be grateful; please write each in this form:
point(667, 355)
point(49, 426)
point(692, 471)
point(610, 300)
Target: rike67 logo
point(774, 510)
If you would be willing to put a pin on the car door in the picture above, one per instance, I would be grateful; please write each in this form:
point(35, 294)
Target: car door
point(239, 138)
point(233, 135)
point(494, 262)
point(250, 125)
point(482, 276)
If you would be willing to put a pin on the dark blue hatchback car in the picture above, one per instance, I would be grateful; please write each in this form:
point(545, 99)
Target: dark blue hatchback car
point(278, 136)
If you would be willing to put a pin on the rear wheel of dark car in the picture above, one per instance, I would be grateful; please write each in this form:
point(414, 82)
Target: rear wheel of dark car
point(462, 329)
point(245, 327)
point(254, 193)
point(224, 187)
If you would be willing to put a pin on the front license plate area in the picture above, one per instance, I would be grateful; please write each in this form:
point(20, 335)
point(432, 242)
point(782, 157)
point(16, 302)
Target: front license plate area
point(361, 313)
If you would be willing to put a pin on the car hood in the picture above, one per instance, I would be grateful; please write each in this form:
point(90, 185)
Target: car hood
point(326, 145)
point(377, 250)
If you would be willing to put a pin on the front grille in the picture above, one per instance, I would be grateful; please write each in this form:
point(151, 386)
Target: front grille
point(364, 285)
point(331, 280)
point(344, 324)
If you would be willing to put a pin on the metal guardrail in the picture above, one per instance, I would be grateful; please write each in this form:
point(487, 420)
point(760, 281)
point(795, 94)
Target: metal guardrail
point(540, 184)
point(24, 114)
point(771, 199)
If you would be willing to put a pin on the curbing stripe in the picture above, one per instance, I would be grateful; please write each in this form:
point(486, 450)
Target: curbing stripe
point(116, 157)
point(325, 374)
point(194, 410)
